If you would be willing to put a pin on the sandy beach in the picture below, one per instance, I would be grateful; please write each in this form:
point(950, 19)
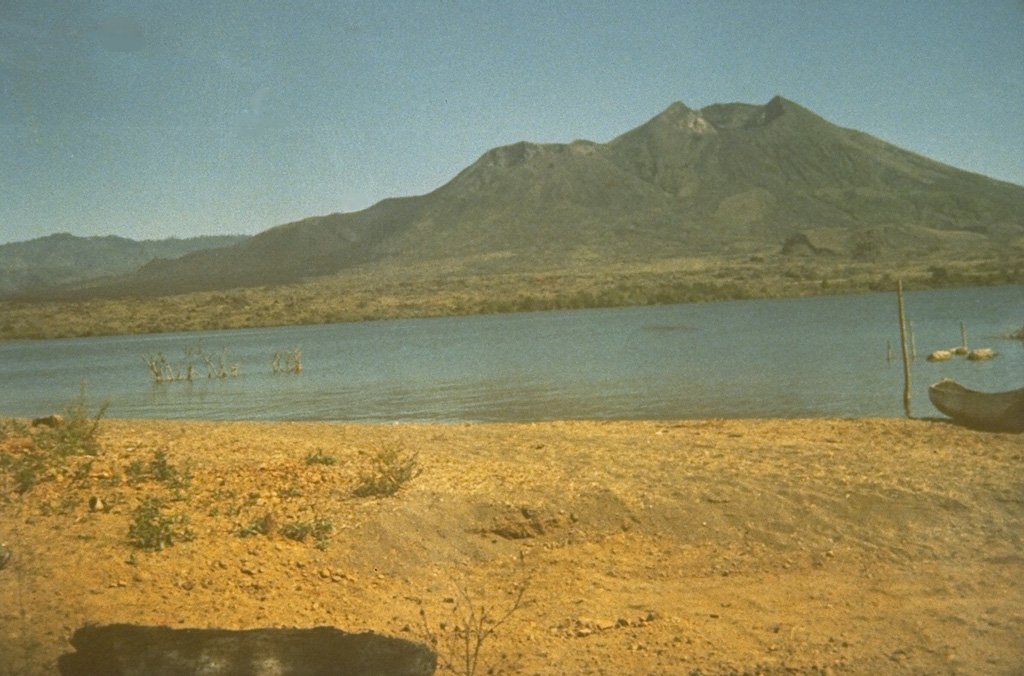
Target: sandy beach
point(880, 546)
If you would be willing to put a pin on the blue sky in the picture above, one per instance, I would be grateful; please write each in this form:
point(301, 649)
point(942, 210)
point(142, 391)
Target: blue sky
point(152, 119)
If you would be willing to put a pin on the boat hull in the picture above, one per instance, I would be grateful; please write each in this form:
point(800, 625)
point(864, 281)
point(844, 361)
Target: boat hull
point(995, 411)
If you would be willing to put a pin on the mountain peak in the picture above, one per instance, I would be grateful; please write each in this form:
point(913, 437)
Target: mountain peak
point(677, 109)
point(680, 117)
point(780, 106)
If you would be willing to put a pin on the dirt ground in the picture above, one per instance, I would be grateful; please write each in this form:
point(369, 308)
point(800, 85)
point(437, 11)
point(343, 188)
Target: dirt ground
point(871, 546)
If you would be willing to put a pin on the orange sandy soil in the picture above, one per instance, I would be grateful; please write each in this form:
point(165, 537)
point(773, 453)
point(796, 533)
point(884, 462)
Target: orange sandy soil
point(876, 546)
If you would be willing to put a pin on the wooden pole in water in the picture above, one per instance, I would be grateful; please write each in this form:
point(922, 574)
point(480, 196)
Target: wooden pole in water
point(913, 346)
point(903, 343)
point(963, 336)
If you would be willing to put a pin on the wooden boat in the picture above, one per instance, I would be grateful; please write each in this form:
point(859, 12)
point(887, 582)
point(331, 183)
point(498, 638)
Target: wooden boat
point(995, 411)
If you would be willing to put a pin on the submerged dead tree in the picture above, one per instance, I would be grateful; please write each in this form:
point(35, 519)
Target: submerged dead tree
point(287, 361)
point(164, 370)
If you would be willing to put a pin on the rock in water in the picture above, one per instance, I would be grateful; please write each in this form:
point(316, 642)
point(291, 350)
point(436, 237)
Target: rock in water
point(55, 420)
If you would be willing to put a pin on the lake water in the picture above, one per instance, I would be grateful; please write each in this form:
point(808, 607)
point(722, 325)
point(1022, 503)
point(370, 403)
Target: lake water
point(803, 357)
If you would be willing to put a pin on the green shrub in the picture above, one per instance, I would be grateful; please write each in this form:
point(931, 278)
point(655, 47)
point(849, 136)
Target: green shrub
point(26, 469)
point(296, 530)
point(290, 492)
point(320, 528)
point(261, 526)
point(75, 433)
point(318, 457)
point(391, 468)
point(158, 469)
point(152, 530)
point(135, 471)
point(41, 451)
point(82, 471)
point(68, 504)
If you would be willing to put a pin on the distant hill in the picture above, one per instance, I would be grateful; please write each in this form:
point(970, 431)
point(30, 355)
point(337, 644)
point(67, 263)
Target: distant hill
point(727, 180)
point(65, 259)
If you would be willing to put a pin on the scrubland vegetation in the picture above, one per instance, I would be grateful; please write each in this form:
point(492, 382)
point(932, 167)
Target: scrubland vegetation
point(388, 293)
point(64, 449)
point(44, 450)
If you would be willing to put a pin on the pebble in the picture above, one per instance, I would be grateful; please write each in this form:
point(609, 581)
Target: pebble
point(600, 624)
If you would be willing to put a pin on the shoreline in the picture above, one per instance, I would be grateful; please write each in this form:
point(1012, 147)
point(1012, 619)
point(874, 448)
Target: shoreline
point(806, 546)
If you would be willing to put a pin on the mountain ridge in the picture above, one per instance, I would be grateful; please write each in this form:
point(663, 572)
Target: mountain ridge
point(63, 258)
point(730, 179)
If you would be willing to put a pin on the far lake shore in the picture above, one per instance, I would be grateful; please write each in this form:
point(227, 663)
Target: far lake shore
point(458, 288)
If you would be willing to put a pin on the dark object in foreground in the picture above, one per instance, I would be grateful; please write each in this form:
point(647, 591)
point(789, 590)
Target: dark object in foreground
point(133, 650)
point(992, 411)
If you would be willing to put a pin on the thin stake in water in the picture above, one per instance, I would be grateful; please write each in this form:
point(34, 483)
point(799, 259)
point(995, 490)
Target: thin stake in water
point(903, 344)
